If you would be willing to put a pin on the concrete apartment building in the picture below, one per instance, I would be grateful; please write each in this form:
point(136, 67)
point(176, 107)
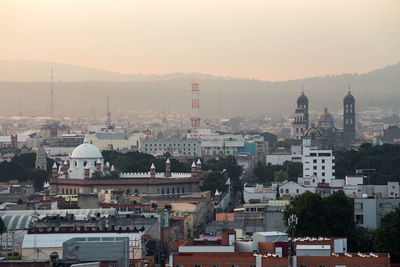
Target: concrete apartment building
point(185, 147)
point(373, 202)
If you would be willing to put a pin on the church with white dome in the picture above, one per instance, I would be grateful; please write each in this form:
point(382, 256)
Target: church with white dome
point(85, 172)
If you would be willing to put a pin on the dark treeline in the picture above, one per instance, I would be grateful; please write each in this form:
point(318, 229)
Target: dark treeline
point(384, 159)
point(333, 216)
point(22, 168)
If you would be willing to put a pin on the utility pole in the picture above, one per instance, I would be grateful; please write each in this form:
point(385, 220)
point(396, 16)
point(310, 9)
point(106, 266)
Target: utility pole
point(292, 222)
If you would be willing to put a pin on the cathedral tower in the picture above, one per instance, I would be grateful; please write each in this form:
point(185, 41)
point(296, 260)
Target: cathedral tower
point(349, 119)
point(299, 124)
point(302, 102)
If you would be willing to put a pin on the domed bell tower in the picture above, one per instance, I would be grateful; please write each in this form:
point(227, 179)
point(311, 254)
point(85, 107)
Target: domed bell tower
point(349, 119)
point(302, 102)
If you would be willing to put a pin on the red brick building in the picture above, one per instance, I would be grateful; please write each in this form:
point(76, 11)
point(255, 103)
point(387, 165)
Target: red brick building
point(227, 252)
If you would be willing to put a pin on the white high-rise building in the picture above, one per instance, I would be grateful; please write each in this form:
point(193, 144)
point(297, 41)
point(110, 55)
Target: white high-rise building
point(318, 165)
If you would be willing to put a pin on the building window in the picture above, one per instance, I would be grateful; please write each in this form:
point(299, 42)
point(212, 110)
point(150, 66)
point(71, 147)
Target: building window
point(359, 219)
point(167, 191)
point(323, 174)
point(197, 265)
point(162, 191)
point(282, 191)
point(297, 190)
point(323, 167)
point(215, 265)
point(314, 161)
point(315, 167)
point(287, 191)
point(323, 161)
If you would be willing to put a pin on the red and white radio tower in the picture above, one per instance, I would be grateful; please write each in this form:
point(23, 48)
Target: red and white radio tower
point(195, 120)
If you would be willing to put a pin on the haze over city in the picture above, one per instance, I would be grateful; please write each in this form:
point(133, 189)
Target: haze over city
point(266, 40)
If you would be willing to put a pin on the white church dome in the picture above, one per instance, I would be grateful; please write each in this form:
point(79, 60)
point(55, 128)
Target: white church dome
point(86, 151)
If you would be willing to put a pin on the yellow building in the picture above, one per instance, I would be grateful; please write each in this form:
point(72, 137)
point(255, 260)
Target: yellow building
point(116, 141)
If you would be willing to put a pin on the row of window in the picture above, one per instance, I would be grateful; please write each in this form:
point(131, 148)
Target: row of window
point(69, 191)
point(168, 145)
point(322, 154)
point(173, 191)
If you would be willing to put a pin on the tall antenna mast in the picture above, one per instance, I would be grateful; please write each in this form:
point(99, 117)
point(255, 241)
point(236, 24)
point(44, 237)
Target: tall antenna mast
point(195, 119)
point(52, 96)
point(108, 122)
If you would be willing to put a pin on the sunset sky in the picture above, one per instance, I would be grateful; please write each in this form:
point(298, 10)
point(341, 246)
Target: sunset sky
point(269, 40)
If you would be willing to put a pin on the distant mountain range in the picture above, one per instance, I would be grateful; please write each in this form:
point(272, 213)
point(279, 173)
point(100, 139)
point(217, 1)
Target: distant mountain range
point(80, 90)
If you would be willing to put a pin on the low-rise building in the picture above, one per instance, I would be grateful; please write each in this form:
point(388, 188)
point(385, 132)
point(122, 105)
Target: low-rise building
point(369, 211)
point(185, 147)
point(255, 193)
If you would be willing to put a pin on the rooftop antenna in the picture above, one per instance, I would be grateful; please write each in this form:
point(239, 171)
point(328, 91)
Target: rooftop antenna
point(52, 96)
point(302, 89)
point(108, 122)
point(349, 88)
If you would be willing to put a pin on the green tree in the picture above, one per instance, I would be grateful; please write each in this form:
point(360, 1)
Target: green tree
point(293, 169)
point(280, 176)
point(25, 159)
point(213, 181)
point(309, 209)
point(317, 216)
point(387, 236)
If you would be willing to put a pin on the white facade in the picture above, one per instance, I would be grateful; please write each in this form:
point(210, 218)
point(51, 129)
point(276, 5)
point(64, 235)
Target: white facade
point(368, 212)
point(293, 189)
point(84, 156)
point(354, 180)
point(317, 163)
point(177, 147)
point(278, 158)
point(215, 144)
point(258, 192)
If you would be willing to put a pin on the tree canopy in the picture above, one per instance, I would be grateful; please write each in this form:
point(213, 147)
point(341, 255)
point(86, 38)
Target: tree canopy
point(387, 236)
point(230, 165)
point(22, 168)
point(141, 162)
point(317, 216)
point(213, 181)
point(383, 158)
point(267, 173)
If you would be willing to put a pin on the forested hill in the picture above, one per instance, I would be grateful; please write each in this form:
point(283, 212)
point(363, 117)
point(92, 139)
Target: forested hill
point(79, 90)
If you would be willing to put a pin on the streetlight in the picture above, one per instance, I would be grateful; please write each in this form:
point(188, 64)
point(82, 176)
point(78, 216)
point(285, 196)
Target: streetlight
point(292, 222)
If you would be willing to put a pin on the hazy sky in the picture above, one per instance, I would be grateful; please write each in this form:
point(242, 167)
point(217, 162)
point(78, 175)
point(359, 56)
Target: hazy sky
point(271, 40)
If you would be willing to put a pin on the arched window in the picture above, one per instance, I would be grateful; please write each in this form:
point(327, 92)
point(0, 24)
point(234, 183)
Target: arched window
point(162, 191)
point(62, 191)
point(173, 190)
point(75, 163)
point(178, 190)
point(183, 190)
point(167, 191)
point(75, 191)
point(85, 163)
